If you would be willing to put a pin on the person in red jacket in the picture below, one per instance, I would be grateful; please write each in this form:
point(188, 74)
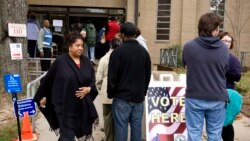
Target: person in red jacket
point(112, 29)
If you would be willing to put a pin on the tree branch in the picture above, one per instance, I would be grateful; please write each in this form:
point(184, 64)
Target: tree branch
point(230, 20)
point(244, 23)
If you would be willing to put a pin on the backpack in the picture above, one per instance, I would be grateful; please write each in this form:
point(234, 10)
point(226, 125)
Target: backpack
point(91, 31)
point(91, 35)
point(233, 107)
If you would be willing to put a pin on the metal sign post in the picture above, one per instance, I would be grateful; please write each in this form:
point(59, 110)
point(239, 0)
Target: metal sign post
point(14, 99)
point(13, 86)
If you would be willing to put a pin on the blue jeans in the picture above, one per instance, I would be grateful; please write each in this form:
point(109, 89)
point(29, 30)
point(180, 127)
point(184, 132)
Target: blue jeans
point(127, 112)
point(214, 114)
point(91, 53)
point(86, 51)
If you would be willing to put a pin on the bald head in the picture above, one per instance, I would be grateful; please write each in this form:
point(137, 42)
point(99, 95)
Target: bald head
point(46, 23)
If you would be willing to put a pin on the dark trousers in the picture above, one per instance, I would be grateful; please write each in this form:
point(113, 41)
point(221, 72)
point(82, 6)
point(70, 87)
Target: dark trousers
point(99, 50)
point(66, 134)
point(228, 133)
point(45, 64)
point(32, 48)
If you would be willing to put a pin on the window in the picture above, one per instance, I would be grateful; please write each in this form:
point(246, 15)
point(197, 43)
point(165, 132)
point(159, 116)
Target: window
point(218, 6)
point(45, 8)
point(88, 10)
point(163, 20)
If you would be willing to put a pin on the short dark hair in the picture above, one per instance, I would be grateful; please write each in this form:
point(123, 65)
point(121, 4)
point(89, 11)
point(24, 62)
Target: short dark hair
point(137, 32)
point(115, 42)
point(32, 15)
point(223, 34)
point(45, 19)
point(71, 39)
point(112, 18)
point(208, 23)
point(128, 29)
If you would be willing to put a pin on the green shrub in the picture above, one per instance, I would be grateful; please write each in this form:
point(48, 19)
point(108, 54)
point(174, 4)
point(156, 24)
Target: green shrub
point(179, 54)
point(243, 86)
point(9, 132)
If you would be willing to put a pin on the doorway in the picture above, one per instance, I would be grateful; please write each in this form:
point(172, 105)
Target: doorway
point(98, 22)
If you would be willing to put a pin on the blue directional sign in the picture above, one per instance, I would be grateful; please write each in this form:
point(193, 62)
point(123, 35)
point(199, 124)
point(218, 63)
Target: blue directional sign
point(12, 83)
point(26, 105)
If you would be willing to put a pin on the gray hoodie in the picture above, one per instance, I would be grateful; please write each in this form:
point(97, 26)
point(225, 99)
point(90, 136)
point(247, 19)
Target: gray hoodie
point(206, 59)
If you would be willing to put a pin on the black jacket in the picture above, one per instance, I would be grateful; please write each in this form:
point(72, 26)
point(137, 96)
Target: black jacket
point(129, 72)
point(59, 87)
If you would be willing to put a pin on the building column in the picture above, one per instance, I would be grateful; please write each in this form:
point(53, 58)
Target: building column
point(189, 25)
point(130, 11)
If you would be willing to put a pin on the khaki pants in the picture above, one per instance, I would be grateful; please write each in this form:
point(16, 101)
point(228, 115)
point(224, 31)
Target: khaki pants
point(108, 122)
point(144, 124)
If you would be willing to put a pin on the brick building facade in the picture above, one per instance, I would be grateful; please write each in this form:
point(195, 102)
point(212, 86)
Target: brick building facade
point(163, 22)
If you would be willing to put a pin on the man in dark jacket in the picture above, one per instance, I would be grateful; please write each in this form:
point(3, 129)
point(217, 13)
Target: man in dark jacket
point(206, 59)
point(128, 78)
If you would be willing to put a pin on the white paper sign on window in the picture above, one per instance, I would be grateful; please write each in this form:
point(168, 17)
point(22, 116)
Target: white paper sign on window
point(58, 23)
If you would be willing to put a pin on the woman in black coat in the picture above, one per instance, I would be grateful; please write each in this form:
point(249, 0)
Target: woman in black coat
point(233, 75)
point(66, 93)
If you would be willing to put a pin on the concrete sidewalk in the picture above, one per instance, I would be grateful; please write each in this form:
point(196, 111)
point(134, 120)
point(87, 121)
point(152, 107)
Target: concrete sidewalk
point(241, 129)
point(241, 126)
point(43, 129)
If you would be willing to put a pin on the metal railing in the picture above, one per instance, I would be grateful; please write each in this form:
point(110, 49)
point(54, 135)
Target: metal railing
point(37, 71)
point(34, 84)
point(31, 90)
point(168, 56)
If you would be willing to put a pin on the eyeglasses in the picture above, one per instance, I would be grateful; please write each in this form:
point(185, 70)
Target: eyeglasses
point(227, 41)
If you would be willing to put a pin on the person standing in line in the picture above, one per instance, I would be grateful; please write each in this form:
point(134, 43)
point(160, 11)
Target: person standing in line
point(67, 92)
point(100, 42)
point(45, 44)
point(233, 109)
point(233, 75)
point(112, 29)
point(32, 33)
point(77, 26)
point(206, 59)
point(101, 84)
point(129, 74)
point(84, 34)
point(140, 38)
point(91, 41)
